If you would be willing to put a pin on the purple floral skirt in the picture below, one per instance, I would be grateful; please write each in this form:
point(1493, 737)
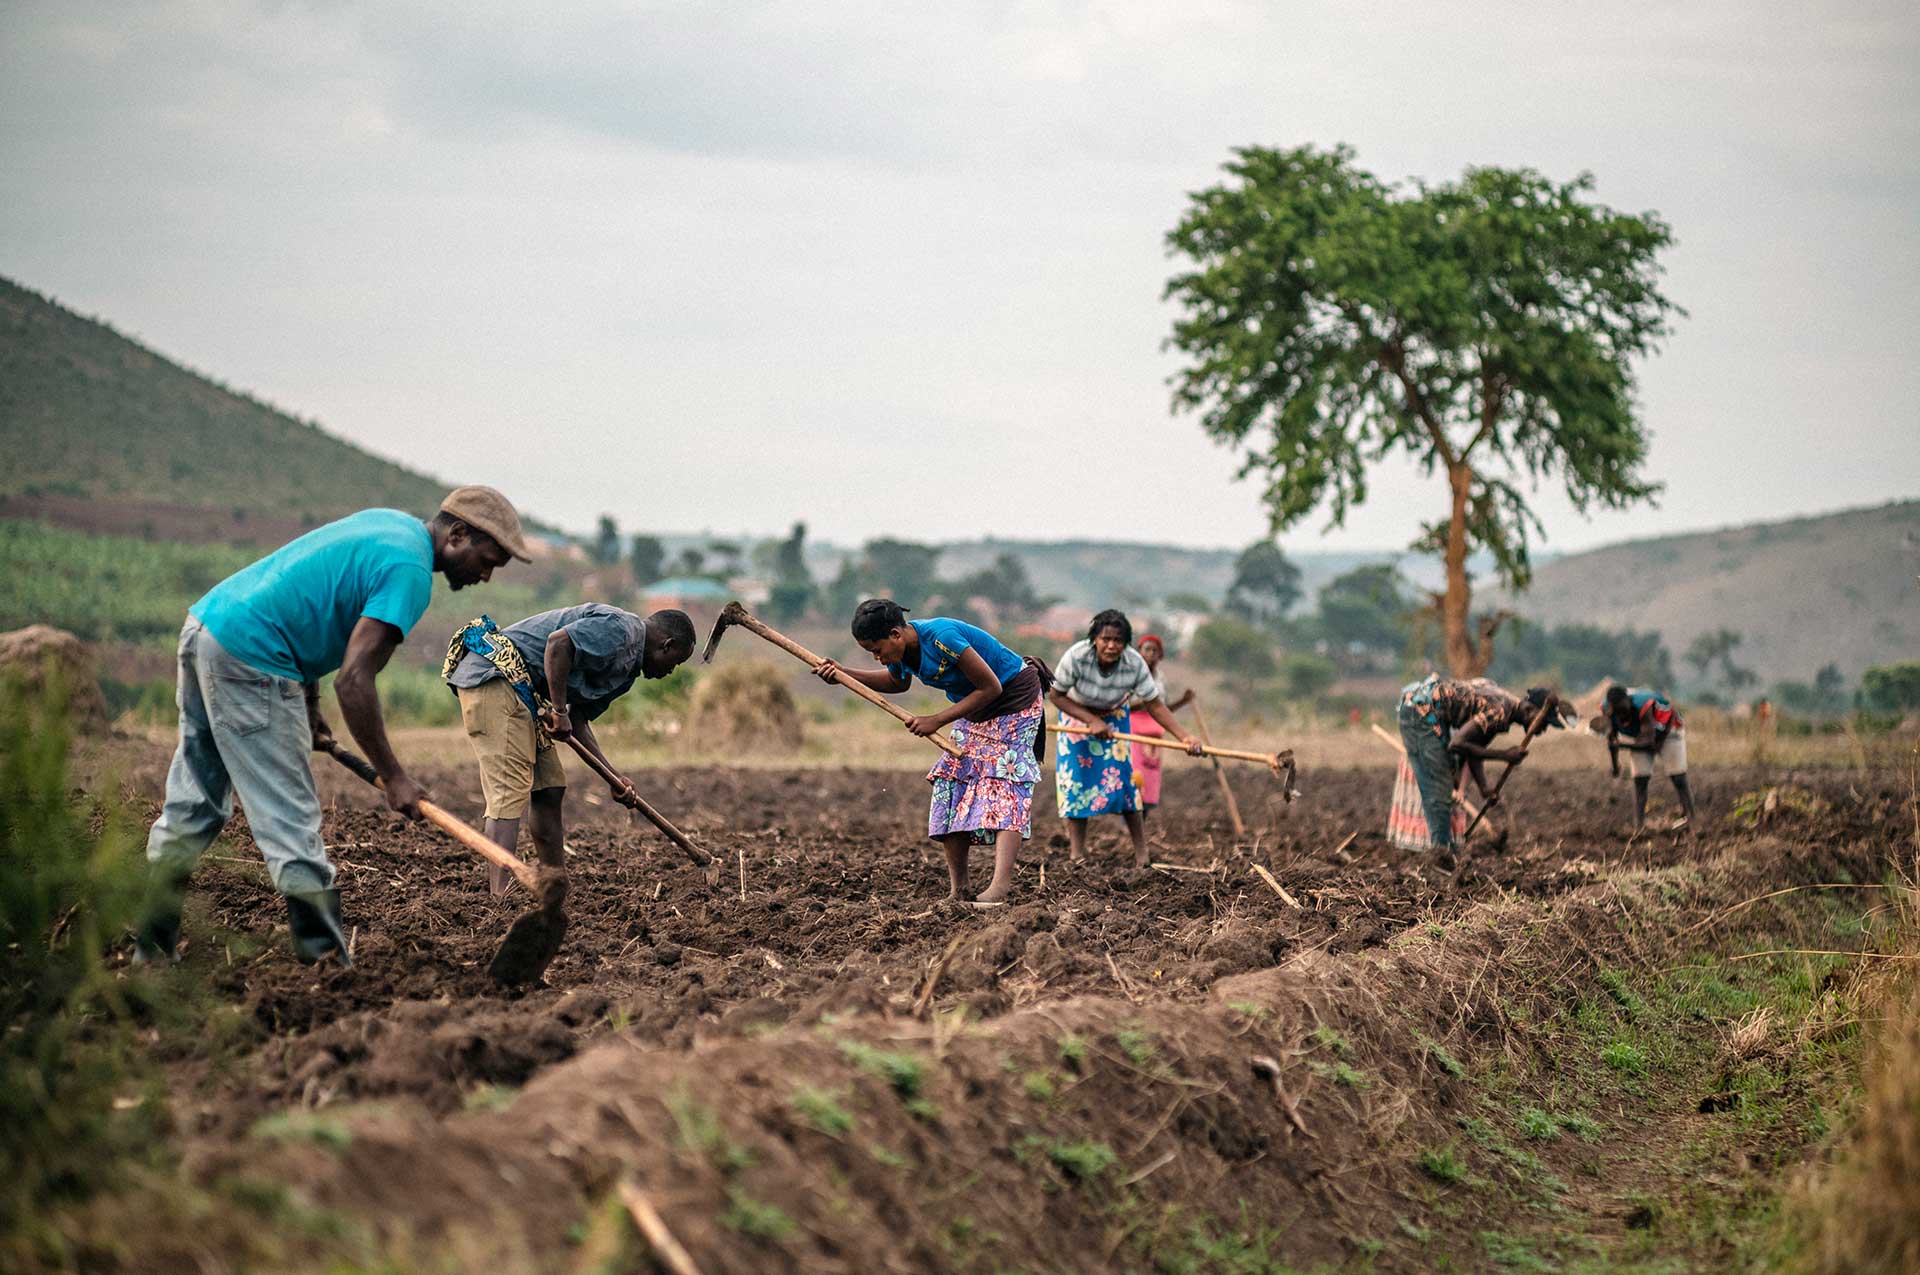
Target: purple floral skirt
point(989, 787)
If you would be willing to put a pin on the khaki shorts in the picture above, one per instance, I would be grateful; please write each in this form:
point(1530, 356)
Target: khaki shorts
point(512, 764)
point(1672, 757)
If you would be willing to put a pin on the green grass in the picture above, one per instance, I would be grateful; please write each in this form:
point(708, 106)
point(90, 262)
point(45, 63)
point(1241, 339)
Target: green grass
point(1445, 1061)
point(754, 1218)
point(1443, 1164)
point(1082, 1161)
point(821, 1108)
point(698, 1129)
point(304, 1126)
point(1327, 1038)
point(1537, 1126)
point(1624, 1058)
point(1073, 1052)
point(1137, 1044)
point(1343, 1074)
point(106, 588)
point(1038, 1085)
point(905, 1073)
point(1208, 1248)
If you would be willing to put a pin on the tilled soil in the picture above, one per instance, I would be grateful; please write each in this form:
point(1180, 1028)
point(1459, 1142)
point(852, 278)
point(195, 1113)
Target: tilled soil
point(831, 903)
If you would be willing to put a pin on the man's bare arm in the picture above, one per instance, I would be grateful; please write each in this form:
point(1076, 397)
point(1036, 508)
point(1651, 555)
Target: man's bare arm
point(369, 647)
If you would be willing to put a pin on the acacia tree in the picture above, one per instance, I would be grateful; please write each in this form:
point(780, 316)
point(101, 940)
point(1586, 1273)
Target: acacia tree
point(1485, 327)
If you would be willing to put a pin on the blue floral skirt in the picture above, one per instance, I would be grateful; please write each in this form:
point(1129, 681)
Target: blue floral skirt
point(1095, 776)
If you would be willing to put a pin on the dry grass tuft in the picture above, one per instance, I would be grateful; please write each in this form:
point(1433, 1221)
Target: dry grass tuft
point(743, 709)
point(1751, 1037)
point(1863, 1215)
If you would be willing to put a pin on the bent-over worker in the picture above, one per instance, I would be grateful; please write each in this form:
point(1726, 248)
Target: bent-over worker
point(1647, 725)
point(1449, 723)
point(983, 797)
point(252, 654)
point(504, 679)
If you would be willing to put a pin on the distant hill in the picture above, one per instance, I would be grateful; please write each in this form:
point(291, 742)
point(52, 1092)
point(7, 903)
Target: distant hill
point(1837, 588)
point(103, 434)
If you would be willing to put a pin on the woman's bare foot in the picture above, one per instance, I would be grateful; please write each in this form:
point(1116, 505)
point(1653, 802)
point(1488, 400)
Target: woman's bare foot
point(994, 894)
point(957, 896)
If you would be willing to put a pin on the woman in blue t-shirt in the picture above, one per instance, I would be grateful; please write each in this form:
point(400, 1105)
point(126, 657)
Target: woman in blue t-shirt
point(985, 795)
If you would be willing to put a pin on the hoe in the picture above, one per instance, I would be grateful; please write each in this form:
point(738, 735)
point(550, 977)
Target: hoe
point(1526, 742)
point(534, 939)
point(1280, 763)
point(639, 803)
point(733, 613)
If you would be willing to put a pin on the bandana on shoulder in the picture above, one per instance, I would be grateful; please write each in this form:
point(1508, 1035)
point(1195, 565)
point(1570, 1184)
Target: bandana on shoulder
point(483, 638)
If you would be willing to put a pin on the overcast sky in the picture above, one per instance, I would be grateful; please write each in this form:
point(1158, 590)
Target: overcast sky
point(725, 265)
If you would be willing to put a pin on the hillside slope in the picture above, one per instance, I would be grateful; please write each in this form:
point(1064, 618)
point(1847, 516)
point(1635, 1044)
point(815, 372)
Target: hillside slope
point(88, 417)
point(1837, 588)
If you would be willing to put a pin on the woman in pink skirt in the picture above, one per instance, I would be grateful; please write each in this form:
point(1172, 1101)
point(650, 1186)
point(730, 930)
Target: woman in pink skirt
point(1146, 761)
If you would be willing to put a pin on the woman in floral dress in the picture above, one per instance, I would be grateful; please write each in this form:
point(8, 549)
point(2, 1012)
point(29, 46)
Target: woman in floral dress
point(1093, 774)
point(985, 795)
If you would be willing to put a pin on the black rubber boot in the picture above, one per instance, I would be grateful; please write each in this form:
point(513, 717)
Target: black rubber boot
point(1686, 797)
point(314, 918)
point(156, 937)
point(1640, 801)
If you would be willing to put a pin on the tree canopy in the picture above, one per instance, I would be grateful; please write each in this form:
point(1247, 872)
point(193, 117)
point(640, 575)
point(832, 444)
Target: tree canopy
point(1487, 328)
point(1265, 585)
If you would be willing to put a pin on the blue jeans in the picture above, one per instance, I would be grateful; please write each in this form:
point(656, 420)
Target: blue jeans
point(241, 731)
point(1433, 772)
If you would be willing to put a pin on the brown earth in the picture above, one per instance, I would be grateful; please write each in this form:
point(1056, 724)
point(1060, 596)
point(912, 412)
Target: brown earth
point(683, 1020)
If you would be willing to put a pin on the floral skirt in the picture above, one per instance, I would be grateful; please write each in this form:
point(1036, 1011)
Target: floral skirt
point(989, 787)
point(1095, 776)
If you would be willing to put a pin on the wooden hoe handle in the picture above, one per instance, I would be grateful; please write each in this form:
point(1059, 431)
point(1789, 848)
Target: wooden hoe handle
point(1526, 741)
point(639, 803)
point(734, 614)
point(447, 823)
point(1273, 761)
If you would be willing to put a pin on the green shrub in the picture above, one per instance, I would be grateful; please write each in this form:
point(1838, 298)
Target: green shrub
point(66, 1048)
point(1623, 1057)
point(1538, 1125)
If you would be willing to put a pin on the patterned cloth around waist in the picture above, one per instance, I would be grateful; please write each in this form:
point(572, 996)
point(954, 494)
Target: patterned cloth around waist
point(1095, 776)
point(998, 748)
point(482, 637)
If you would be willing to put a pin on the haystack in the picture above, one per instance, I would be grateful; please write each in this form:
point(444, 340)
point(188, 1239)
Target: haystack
point(743, 709)
point(41, 656)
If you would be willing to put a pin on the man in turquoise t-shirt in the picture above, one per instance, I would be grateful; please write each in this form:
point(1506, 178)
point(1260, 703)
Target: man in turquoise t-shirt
point(252, 654)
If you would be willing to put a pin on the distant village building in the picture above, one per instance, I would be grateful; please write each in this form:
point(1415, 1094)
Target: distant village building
point(686, 593)
point(751, 591)
point(1060, 624)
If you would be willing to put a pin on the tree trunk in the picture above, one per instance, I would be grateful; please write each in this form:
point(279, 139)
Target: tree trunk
point(1462, 659)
